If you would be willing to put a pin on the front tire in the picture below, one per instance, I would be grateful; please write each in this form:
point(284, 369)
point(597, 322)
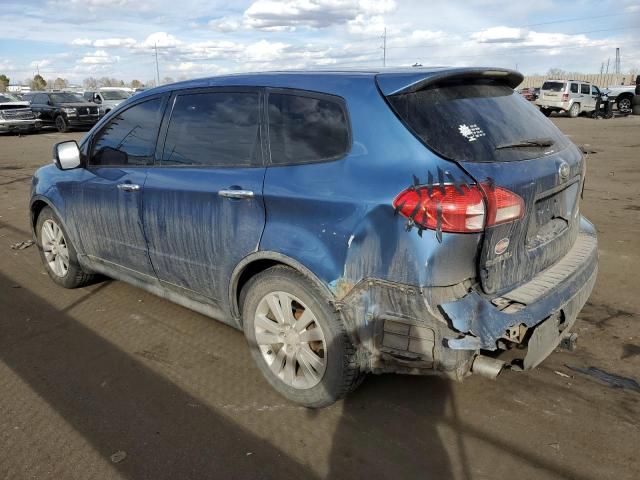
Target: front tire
point(574, 111)
point(62, 124)
point(297, 338)
point(57, 252)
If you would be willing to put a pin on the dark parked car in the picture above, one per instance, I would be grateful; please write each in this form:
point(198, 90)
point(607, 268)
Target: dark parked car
point(529, 93)
point(64, 110)
point(348, 222)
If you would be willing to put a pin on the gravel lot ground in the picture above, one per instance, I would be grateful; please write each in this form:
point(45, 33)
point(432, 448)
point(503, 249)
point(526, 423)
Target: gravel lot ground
point(87, 374)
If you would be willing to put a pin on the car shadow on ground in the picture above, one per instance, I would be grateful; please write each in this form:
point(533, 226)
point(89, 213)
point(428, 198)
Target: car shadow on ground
point(384, 444)
point(117, 404)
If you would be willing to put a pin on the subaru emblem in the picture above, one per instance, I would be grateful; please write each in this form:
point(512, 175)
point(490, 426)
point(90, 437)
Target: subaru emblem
point(563, 171)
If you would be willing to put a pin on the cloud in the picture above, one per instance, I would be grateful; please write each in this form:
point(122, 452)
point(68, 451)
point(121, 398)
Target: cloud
point(81, 42)
point(40, 63)
point(225, 24)
point(99, 57)
point(289, 14)
point(161, 40)
point(500, 35)
point(114, 42)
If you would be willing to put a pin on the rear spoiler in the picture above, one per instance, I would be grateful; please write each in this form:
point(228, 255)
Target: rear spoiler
point(397, 83)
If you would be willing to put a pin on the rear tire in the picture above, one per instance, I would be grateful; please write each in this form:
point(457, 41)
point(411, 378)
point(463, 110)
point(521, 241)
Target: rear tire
point(290, 326)
point(624, 103)
point(58, 255)
point(62, 124)
point(574, 111)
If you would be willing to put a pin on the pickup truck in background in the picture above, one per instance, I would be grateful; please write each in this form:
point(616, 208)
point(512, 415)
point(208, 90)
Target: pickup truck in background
point(623, 94)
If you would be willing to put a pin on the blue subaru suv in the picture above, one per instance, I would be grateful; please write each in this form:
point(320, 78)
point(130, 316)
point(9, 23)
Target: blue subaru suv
point(421, 221)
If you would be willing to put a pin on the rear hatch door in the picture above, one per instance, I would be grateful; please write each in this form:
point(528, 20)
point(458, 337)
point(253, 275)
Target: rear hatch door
point(552, 90)
point(500, 139)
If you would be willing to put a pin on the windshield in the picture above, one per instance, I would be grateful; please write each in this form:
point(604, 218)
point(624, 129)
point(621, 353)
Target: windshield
point(466, 122)
point(7, 97)
point(66, 98)
point(114, 94)
point(553, 86)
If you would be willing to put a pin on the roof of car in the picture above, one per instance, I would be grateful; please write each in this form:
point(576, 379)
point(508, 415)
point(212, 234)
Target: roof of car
point(390, 80)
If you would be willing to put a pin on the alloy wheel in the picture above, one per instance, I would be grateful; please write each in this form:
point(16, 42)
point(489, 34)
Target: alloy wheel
point(624, 104)
point(55, 248)
point(291, 340)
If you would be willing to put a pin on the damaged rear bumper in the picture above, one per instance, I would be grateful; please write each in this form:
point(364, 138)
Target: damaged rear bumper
point(548, 305)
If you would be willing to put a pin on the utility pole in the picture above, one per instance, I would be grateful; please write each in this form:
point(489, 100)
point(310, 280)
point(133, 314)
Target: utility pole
point(157, 69)
point(617, 64)
point(384, 48)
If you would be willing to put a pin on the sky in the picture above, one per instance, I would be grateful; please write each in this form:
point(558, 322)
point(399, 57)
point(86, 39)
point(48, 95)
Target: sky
point(76, 39)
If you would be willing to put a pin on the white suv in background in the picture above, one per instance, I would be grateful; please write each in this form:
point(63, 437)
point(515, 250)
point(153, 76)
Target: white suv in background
point(573, 96)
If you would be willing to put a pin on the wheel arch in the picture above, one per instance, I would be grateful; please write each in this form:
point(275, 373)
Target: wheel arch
point(37, 204)
point(258, 262)
point(623, 96)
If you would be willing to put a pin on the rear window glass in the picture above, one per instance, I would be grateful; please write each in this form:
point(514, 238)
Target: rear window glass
point(553, 86)
point(466, 122)
point(306, 129)
point(574, 88)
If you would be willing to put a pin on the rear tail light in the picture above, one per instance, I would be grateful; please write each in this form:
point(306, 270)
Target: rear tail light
point(502, 205)
point(458, 209)
point(565, 97)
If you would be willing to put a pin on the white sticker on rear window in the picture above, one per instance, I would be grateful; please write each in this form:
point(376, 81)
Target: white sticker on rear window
point(471, 132)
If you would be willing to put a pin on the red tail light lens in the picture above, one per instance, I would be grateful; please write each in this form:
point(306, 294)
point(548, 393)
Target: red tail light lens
point(565, 97)
point(452, 209)
point(459, 209)
point(502, 205)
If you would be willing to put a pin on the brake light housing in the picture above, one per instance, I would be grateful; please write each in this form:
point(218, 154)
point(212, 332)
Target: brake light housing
point(565, 97)
point(458, 208)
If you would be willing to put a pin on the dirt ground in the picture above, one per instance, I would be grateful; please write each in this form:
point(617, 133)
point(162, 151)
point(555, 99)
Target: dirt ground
point(111, 382)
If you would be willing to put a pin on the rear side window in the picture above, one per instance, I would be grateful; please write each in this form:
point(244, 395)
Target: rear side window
point(467, 122)
point(305, 129)
point(553, 86)
point(574, 88)
point(129, 139)
point(584, 88)
point(215, 129)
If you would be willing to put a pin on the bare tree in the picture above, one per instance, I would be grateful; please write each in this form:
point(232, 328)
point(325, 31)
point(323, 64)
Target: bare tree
point(4, 82)
point(90, 83)
point(166, 80)
point(136, 84)
point(38, 83)
point(60, 83)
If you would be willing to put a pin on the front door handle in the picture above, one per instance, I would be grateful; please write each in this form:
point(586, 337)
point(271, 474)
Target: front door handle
point(236, 193)
point(128, 187)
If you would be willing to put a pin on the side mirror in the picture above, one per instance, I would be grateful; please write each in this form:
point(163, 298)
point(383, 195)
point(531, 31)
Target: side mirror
point(66, 155)
point(96, 99)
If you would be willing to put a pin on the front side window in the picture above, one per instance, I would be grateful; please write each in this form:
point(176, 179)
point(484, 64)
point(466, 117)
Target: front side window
point(306, 129)
point(594, 90)
point(215, 129)
point(584, 88)
point(129, 139)
point(574, 88)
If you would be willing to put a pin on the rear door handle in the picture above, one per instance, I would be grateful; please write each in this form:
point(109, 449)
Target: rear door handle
point(128, 187)
point(236, 193)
